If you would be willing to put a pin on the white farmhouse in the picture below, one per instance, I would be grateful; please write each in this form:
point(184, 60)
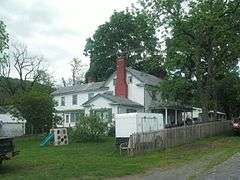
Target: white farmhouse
point(126, 90)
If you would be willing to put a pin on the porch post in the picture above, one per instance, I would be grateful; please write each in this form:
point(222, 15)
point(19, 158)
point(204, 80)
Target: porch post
point(176, 116)
point(184, 118)
point(166, 116)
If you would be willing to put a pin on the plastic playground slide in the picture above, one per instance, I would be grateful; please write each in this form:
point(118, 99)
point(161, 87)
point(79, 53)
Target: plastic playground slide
point(47, 139)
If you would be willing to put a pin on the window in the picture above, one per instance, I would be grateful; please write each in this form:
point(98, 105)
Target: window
point(72, 117)
point(129, 79)
point(90, 95)
point(131, 110)
point(56, 103)
point(62, 101)
point(67, 118)
point(114, 81)
point(74, 99)
point(104, 114)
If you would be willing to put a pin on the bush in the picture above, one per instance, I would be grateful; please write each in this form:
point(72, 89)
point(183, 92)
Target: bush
point(111, 131)
point(89, 129)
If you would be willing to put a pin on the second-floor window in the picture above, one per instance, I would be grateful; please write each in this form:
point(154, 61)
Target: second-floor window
point(74, 99)
point(90, 95)
point(62, 101)
point(129, 79)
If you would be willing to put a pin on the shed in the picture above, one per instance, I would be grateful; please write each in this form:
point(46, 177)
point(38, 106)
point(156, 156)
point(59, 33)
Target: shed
point(11, 126)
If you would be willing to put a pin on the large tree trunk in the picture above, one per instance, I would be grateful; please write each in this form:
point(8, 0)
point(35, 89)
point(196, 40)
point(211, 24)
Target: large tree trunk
point(205, 105)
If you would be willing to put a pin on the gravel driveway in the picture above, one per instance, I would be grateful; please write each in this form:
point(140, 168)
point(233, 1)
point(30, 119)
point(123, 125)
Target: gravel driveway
point(228, 170)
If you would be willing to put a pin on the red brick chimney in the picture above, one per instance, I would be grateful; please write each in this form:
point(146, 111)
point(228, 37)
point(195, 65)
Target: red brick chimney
point(121, 87)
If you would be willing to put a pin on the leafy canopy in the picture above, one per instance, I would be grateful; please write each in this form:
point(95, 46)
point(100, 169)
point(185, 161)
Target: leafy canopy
point(203, 43)
point(128, 34)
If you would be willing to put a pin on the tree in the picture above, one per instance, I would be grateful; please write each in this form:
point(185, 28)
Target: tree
point(203, 43)
point(76, 65)
point(228, 94)
point(37, 108)
point(128, 34)
point(64, 82)
point(3, 46)
point(177, 89)
point(77, 73)
point(4, 61)
point(44, 78)
point(27, 66)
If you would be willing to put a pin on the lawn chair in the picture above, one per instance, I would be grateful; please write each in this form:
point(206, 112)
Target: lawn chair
point(123, 147)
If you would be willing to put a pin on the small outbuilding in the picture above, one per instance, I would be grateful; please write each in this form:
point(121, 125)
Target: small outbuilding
point(11, 126)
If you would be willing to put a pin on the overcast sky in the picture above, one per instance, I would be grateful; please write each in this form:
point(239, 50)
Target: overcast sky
point(57, 29)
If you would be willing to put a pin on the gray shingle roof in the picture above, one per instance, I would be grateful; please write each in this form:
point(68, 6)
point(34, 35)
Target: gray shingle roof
point(80, 88)
point(144, 77)
point(115, 99)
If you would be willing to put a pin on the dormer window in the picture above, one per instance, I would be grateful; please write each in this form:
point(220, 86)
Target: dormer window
point(129, 79)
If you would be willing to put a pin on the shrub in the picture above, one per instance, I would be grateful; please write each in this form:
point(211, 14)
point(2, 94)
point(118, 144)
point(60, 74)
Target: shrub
point(111, 131)
point(89, 129)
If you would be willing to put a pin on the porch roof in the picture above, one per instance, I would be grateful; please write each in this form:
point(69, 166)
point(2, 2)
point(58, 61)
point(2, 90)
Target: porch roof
point(170, 105)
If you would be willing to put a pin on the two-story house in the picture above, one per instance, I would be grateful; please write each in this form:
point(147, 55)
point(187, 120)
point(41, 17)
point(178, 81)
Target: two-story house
point(126, 90)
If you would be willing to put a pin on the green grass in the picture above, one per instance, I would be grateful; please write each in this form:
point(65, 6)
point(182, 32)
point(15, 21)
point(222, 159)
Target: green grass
point(102, 160)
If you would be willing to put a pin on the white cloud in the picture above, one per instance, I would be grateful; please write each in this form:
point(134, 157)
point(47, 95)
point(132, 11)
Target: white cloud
point(57, 29)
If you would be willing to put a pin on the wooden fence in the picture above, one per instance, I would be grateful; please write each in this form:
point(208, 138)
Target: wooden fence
point(143, 142)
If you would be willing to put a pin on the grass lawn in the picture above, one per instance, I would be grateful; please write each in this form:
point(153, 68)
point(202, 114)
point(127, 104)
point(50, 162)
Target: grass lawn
point(102, 160)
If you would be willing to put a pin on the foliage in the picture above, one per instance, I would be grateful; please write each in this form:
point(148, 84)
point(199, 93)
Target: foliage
point(37, 108)
point(3, 45)
point(180, 90)
point(127, 34)
point(89, 129)
point(7, 93)
point(202, 42)
point(228, 93)
point(111, 131)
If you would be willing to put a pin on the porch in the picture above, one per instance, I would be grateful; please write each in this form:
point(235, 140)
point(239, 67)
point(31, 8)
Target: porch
point(173, 114)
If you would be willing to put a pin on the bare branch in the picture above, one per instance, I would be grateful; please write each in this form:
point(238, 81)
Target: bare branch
point(26, 65)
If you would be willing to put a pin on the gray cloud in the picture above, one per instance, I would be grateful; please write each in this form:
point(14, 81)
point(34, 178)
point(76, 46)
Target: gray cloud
point(57, 29)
